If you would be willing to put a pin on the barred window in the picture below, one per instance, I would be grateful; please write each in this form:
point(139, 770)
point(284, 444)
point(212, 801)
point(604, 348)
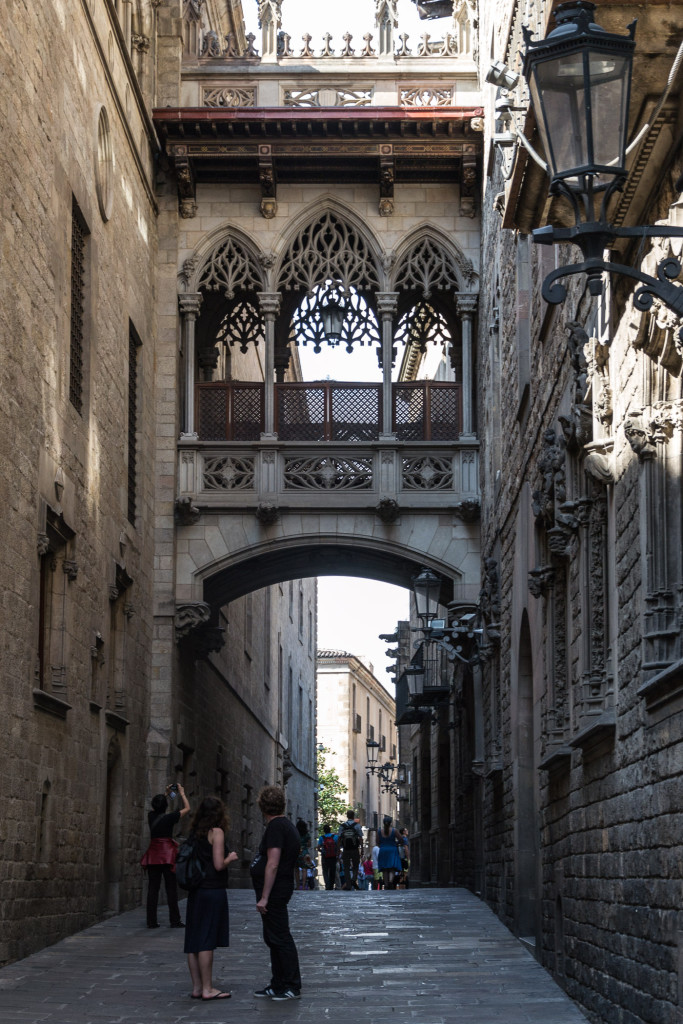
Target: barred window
point(133, 346)
point(79, 235)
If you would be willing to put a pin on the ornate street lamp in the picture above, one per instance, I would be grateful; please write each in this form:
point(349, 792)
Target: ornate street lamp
point(372, 748)
point(333, 314)
point(579, 78)
point(426, 589)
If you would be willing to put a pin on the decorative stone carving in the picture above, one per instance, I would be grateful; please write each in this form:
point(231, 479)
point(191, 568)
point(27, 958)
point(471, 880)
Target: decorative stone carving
point(267, 512)
point(302, 98)
point(489, 599)
point(427, 473)
point(211, 45)
point(231, 268)
point(230, 97)
point(207, 640)
point(140, 42)
point(70, 569)
point(598, 461)
point(232, 50)
point(114, 594)
point(638, 436)
point(327, 50)
point(251, 51)
point(367, 49)
point(428, 267)
point(386, 20)
point(353, 98)
point(328, 249)
point(189, 617)
point(552, 491)
point(388, 510)
point(426, 96)
point(403, 50)
point(187, 514)
point(307, 51)
point(468, 510)
point(192, 9)
point(42, 544)
point(283, 45)
point(269, 20)
point(541, 580)
point(228, 473)
point(347, 51)
point(327, 473)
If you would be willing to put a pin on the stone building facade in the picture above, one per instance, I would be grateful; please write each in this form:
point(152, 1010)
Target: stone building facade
point(354, 707)
point(95, 721)
point(577, 826)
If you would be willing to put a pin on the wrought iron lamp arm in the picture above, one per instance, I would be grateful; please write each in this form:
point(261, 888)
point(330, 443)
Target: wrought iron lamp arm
point(593, 239)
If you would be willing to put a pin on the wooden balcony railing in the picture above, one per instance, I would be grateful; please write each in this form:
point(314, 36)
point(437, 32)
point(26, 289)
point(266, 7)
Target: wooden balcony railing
point(328, 411)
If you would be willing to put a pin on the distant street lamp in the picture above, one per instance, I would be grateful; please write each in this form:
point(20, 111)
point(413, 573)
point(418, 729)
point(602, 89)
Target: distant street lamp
point(333, 314)
point(372, 747)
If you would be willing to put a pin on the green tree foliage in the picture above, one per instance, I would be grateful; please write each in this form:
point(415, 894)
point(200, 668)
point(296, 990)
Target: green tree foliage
point(331, 804)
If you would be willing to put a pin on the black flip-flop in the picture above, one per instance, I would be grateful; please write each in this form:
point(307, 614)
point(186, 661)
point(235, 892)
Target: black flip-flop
point(219, 995)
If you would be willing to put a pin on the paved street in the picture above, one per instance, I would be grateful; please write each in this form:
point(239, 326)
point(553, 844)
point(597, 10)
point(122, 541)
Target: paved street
point(424, 956)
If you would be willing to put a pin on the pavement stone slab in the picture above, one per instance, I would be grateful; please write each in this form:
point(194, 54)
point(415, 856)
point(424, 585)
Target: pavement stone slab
point(420, 956)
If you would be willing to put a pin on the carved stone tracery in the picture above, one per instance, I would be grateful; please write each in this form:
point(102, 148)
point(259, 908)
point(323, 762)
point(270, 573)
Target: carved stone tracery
point(328, 250)
point(232, 268)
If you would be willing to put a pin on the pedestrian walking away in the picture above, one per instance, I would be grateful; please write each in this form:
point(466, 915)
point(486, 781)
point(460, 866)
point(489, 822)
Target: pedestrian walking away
point(272, 873)
point(207, 915)
point(350, 843)
point(388, 860)
point(329, 850)
point(160, 856)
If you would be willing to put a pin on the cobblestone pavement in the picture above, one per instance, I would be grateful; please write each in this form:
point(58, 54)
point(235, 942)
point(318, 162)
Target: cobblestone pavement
point(425, 956)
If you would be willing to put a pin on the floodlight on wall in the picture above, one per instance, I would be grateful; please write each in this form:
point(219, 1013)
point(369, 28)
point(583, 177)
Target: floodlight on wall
point(500, 74)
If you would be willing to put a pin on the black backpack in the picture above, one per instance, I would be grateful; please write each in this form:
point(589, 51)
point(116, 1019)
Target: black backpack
point(348, 836)
point(190, 871)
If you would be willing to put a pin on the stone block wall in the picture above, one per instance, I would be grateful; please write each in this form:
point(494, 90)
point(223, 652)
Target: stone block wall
point(73, 759)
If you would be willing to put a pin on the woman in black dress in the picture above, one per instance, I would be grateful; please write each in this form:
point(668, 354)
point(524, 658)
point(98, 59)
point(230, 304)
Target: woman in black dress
point(206, 916)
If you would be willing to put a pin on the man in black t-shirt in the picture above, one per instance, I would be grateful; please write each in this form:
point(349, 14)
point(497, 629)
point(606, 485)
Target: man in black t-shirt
point(272, 874)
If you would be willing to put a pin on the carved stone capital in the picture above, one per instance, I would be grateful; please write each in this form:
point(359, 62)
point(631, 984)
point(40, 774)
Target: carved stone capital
point(269, 303)
point(189, 304)
point(466, 304)
point(387, 304)
point(188, 617)
point(42, 544)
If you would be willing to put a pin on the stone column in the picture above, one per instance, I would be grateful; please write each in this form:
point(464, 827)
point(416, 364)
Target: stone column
point(387, 303)
point(466, 306)
point(127, 22)
point(189, 304)
point(269, 304)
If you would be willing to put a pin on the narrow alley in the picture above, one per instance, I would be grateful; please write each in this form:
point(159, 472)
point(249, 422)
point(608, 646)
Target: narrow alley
point(426, 956)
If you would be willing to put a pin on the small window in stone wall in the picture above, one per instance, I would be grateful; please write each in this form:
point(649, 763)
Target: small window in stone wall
point(104, 166)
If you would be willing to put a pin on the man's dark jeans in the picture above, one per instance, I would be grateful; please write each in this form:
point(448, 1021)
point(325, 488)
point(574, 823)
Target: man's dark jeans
point(284, 958)
point(350, 858)
point(329, 871)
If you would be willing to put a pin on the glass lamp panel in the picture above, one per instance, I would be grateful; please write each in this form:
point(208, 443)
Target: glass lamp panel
point(558, 94)
point(609, 85)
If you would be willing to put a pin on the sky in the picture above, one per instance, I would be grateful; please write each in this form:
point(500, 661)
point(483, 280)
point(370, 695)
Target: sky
point(356, 16)
point(351, 614)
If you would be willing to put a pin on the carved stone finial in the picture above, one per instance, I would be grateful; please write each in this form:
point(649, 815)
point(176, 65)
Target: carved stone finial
point(307, 51)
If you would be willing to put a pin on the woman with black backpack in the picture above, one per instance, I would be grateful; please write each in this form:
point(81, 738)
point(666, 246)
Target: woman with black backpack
point(207, 916)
